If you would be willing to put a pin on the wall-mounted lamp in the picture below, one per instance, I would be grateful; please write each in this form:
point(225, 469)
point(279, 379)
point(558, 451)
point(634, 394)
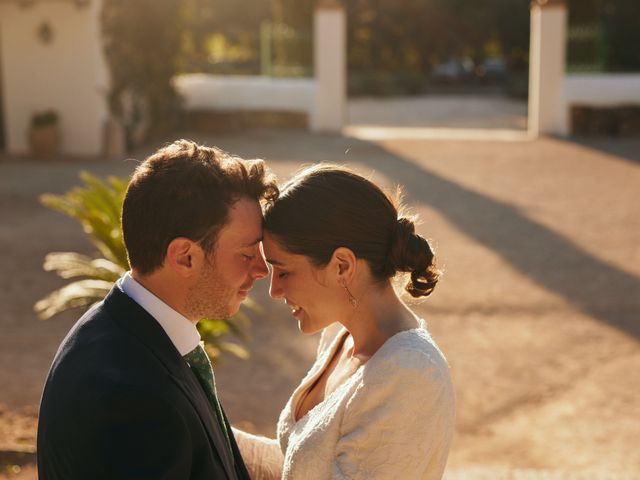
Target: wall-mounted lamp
point(45, 33)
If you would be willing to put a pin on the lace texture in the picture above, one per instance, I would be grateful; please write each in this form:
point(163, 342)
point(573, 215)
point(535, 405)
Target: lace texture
point(392, 419)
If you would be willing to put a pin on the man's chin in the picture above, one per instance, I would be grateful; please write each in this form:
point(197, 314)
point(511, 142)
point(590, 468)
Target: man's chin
point(233, 309)
point(228, 312)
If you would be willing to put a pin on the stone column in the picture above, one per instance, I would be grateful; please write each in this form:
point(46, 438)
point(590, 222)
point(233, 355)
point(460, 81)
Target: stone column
point(547, 109)
point(330, 65)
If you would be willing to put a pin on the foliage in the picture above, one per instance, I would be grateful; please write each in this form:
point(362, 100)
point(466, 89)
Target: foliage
point(149, 41)
point(393, 45)
point(142, 47)
point(213, 25)
point(616, 27)
point(294, 20)
point(413, 35)
point(96, 206)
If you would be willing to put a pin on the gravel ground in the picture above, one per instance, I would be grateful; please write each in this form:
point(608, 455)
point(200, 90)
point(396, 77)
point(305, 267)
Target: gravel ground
point(538, 312)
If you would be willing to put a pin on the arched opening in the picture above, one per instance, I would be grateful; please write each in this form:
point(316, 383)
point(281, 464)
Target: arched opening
point(448, 66)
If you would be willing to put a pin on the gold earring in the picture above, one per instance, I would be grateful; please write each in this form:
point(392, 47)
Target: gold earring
point(352, 300)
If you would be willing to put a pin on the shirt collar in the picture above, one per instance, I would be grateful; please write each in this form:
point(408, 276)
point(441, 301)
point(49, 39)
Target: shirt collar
point(183, 334)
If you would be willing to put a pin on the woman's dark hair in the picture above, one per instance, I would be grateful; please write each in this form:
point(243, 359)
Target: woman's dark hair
point(325, 207)
point(185, 190)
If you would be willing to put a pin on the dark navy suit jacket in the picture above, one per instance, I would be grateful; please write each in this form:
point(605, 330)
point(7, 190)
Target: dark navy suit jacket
point(120, 403)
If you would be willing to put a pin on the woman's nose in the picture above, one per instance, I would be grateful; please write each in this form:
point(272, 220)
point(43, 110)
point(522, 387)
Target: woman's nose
point(275, 290)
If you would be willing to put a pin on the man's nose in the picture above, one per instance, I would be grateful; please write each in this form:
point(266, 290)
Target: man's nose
point(260, 269)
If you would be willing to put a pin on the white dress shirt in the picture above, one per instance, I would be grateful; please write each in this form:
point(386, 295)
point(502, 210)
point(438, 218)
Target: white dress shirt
point(182, 333)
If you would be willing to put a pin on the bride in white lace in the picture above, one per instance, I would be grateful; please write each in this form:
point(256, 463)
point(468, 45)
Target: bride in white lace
point(378, 402)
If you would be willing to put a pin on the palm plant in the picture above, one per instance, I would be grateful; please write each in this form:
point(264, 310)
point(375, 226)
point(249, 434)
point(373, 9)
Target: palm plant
point(96, 206)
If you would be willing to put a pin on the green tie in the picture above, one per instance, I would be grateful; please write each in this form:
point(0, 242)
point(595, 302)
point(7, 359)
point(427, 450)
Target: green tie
point(201, 366)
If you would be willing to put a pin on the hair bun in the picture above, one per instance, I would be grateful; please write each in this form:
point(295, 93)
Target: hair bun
point(412, 253)
point(404, 228)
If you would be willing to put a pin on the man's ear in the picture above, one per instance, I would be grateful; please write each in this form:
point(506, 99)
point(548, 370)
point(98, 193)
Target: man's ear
point(344, 263)
point(183, 256)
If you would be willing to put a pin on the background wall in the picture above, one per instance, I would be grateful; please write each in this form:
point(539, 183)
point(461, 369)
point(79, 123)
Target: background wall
point(67, 74)
point(201, 91)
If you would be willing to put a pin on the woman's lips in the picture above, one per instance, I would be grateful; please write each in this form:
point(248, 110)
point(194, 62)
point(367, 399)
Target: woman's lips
point(295, 309)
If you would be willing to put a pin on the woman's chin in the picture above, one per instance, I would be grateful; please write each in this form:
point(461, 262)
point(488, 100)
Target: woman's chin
point(308, 328)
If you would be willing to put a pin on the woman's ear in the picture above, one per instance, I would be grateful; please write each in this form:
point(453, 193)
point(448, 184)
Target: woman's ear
point(343, 263)
point(183, 256)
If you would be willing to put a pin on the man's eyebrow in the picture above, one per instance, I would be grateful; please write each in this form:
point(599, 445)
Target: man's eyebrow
point(251, 244)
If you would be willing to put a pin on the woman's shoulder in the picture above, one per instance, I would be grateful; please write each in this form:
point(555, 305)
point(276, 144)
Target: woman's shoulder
point(408, 377)
point(412, 354)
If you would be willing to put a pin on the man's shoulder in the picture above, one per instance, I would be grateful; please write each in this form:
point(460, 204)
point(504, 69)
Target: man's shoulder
point(97, 346)
point(95, 326)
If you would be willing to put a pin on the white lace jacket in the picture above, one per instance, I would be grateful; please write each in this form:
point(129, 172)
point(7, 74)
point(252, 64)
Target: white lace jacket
point(392, 419)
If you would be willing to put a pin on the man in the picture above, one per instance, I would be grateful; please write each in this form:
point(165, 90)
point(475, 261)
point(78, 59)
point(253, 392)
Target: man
point(131, 393)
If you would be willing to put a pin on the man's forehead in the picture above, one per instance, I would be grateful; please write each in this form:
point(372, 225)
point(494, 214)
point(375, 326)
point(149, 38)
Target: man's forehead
point(245, 223)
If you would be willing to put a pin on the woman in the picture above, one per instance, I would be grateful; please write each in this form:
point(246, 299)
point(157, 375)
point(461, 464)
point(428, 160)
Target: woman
point(378, 402)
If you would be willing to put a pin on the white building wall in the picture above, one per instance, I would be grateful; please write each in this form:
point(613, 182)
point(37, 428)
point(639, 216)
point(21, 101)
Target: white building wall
point(597, 90)
point(68, 74)
point(602, 89)
point(201, 91)
point(547, 66)
point(330, 65)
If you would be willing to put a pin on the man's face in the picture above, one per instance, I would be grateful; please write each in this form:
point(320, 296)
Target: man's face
point(228, 273)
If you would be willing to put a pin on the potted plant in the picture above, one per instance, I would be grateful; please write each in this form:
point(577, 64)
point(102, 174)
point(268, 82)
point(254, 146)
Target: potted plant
point(44, 134)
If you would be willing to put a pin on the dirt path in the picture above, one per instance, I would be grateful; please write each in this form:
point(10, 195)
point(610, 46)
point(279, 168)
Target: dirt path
point(538, 312)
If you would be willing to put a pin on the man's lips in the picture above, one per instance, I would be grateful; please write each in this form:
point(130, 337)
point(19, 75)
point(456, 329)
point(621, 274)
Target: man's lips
point(245, 291)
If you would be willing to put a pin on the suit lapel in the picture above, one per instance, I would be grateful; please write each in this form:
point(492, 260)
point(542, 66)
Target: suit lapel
point(194, 392)
point(241, 468)
point(135, 319)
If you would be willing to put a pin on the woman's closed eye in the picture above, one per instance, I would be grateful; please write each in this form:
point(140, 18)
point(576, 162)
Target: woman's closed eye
point(248, 258)
point(279, 272)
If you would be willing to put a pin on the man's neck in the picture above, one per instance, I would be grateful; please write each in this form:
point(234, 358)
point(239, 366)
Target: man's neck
point(164, 288)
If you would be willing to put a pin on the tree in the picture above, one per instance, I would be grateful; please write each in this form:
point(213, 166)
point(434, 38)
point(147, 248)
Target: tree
point(619, 24)
point(142, 43)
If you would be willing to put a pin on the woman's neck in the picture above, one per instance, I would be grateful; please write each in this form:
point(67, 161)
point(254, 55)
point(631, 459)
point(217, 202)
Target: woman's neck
point(379, 315)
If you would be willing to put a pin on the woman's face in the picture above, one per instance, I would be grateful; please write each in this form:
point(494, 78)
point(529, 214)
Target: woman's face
point(315, 298)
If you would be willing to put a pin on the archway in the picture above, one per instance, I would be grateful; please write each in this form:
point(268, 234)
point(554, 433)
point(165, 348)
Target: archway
point(543, 112)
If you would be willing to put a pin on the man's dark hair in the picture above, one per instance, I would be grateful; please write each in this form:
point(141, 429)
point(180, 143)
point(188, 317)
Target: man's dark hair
point(185, 190)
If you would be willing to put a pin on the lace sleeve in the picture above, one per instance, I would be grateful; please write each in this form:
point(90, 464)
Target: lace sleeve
point(262, 456)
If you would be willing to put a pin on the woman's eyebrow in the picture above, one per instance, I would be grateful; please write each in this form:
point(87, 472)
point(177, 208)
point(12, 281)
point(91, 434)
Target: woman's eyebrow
point(274, 262)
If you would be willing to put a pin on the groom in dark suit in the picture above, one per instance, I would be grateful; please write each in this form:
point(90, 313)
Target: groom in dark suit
point(131, 393)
